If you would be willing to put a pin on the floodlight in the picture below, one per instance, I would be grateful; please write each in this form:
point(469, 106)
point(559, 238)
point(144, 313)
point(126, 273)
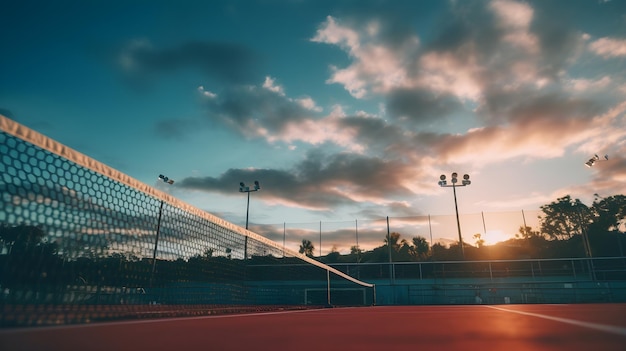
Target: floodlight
point(592, 161)
point(166, 179)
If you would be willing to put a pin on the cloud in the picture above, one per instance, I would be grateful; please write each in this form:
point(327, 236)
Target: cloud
point(270, 85)
point(492, 83)
point(319, 182)
point(309, 104)
point(582, 85)
point(378, 65)
point(206, 93)
point(540, 127)
point(477, 48)
point(224, 62)
point(421, 106)
point(267, 112)
point(515, 18)
point(609, 47)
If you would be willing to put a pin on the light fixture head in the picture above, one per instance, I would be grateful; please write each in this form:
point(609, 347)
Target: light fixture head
point(466, 180)
point(592, 161)
point(166, 179)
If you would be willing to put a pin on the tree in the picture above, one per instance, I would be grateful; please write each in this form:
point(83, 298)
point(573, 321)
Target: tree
point(441, 253)
point(394, 241)
point(30, 256)
point(609, 213)
point(420, 248)
point(527, 233)
point(355, 250)
point(480, 242)
point(22, 238)
point(334, 255)
point(605, 230)
point(307, 248)
point(564, 218)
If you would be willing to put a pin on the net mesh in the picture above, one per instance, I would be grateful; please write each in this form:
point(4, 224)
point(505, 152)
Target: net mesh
point(80, 242)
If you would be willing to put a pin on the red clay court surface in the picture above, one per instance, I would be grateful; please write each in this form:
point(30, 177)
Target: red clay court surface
point(597, 327)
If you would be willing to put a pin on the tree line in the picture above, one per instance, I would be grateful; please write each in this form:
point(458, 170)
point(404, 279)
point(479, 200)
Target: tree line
point(568, 229)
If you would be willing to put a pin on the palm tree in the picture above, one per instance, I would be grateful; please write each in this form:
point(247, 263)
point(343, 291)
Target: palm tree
point(420, 247)
point(394, 241)
point(307, 248)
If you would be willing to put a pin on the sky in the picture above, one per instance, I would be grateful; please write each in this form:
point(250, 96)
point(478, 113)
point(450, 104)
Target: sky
point(342, 110)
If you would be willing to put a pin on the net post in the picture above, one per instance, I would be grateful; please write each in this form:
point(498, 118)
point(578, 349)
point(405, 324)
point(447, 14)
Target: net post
point(374, 295)
point(328, 284)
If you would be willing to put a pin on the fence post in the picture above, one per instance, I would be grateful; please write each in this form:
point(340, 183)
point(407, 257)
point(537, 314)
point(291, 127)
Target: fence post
point(284, 237)
point(430, 230)
point(482, 214)
point(391, 268)
point(356, 231)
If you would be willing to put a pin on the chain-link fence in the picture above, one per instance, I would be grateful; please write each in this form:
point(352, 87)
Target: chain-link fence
point(343, 236)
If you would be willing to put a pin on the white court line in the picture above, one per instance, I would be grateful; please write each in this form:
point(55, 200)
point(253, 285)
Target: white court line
point(602, 327)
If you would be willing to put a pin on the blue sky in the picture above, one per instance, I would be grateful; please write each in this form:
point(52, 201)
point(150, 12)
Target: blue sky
point(342, 110)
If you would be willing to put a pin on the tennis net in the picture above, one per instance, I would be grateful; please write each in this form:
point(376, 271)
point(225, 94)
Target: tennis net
point(82, 242)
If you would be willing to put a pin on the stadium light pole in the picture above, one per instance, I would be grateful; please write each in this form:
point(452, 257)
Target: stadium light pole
point(444, 184)
point(246, 189)
point(158, 228)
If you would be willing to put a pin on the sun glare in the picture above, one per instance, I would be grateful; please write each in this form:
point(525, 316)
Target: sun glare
point(493, 237)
